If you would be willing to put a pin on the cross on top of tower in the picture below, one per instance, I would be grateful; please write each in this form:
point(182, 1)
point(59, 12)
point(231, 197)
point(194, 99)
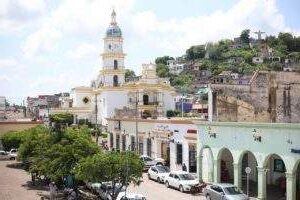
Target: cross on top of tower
point(113, 17)
point(113, 30)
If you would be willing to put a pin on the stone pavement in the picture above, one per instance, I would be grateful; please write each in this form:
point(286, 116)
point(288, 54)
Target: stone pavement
point(13, 184)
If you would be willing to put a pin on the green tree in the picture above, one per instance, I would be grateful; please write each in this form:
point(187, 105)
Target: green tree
point(195, 52)
point(54, 155)
point(119, 168)
point(287, 40)
point(245, 36)
point(162, 70)
point(272, 41)
point(163, 60)
point(62, 118)
point(214, 52)
point(129, 74)
point(12, 139)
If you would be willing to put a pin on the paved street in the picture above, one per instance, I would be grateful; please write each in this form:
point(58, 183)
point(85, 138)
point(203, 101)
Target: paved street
point(13, 187)
point(13, 184)
point(155, 191)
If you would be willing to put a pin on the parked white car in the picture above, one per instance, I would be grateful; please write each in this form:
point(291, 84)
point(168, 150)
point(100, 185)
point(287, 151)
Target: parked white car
point(4, 155)
point(181, 180)
point(13, 153)
point(130, 196)
point(148, 161)
point(158, 173)
point(104, 190)
point(224, 191)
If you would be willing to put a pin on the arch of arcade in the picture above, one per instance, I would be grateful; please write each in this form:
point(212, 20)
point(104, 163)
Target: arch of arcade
point(272, 151)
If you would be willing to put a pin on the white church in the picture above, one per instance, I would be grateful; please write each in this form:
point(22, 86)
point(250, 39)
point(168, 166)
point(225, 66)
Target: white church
point(110, 95)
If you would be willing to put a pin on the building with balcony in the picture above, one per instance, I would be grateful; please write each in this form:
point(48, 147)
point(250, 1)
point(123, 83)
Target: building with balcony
point(111, 96)
point(174, 140)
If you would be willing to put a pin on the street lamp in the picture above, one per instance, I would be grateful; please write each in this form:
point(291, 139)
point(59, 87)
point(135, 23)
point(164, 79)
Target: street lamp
point(256, 135)
point(211, 132)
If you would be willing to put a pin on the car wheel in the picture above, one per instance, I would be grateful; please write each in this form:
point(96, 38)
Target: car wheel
point(181, 188)
point(167, 184)
point(12, 158)
point(159, 163)
point(208, 197)
point(158, 179)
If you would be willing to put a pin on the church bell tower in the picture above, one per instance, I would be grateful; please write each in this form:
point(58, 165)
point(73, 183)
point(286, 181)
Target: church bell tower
point(113, 72)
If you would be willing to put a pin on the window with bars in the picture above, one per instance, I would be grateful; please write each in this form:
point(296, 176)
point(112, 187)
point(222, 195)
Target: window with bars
point(132, 143)
point(149, 144)
point(111, 140)
point(118, 142)
point(179, 153)
point(123, 142)
point(141, 148)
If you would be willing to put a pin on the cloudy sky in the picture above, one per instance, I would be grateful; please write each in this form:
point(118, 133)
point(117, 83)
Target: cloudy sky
point(50, 46)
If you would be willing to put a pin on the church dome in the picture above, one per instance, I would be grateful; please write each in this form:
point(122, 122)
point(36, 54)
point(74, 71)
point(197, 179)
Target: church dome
point(113, 30)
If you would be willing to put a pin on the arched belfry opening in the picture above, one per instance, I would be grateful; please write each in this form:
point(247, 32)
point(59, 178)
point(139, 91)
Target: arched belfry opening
point(115, 64)
point(115, 81)
point(146, 99)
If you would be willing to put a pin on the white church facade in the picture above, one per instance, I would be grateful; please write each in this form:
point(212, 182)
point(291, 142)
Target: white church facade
point(111, 96)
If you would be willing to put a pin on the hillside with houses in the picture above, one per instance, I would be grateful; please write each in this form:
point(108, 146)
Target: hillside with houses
point(231, 60)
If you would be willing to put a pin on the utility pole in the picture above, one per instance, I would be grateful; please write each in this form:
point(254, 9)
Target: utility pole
point(96, 111)
point(136, 121)
point(96, 119)
point(182, 105)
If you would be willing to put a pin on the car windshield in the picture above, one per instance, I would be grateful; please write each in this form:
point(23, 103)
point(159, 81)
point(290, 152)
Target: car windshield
point(108, 187)
point(162, 169)
point(133, 198)
point(232, 190)
point(186, 177)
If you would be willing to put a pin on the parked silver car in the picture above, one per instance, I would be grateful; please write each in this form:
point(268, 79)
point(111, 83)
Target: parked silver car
point(103, 190)
point(148, 161)
point(158, 173)
point(224, 191)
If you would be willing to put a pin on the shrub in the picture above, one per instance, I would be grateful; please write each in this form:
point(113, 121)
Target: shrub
point(12, 139)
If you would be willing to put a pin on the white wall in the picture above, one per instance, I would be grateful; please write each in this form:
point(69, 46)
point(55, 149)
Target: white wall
point(169, 103)
point(110, 101)
point(78, 97)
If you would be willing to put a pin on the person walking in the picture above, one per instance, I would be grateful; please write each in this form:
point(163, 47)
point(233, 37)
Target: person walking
point(53, 190)
point(184, 167)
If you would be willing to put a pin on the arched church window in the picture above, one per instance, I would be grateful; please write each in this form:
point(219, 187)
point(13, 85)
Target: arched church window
point(115, 79)
point(115, 64)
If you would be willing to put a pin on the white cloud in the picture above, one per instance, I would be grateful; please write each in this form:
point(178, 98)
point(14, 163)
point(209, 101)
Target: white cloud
point(15, 15)
point(7, 63)
point(82, 51)
point(71, 34)
point(83, 18)
point(4, 78)
point(72, 19)
point(41, 41)
point(176, 35)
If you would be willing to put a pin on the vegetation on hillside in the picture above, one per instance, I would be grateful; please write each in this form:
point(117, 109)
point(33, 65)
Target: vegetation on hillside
point(219, 56)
